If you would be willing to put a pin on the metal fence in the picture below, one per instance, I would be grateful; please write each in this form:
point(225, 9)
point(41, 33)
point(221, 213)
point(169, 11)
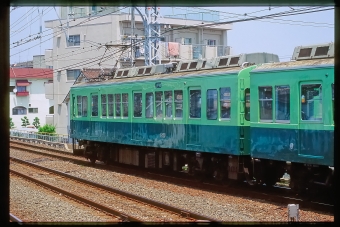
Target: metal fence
point(51, 137)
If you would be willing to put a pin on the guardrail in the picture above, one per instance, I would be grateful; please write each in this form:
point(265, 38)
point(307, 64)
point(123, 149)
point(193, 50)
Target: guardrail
point(51, 137)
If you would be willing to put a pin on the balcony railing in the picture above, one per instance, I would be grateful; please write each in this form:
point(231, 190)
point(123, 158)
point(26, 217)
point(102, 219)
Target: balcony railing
point(22, 93)
point(186, 52)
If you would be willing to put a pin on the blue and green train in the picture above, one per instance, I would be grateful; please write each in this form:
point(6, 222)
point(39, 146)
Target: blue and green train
point(233, 117)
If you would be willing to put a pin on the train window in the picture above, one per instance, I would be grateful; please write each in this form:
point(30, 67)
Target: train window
point(149, 105)
point(79, 98)
point(125, 103)
point(225, 102)
point(282, 103)
point(84, 106)
point(247, 104)
point(159, 103)
point(137, 104)
point(118, 101)
point(212, 104)
point(104, 105)
point(311, 102)
point(266, 103)
point(168, 103)
point(178, 103)
point(110, 105)
point(195, 104)
point(94, 105)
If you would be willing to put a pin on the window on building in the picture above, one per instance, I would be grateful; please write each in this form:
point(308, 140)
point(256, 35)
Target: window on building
point(118, 100)
point(266, 103)
point(212, 104)
point(32, 110)
point(311, 102)
point(149, 106)
point(110, 105)
point(168, 103)
point(125, 103)
point(211, 42)
point(159, 103)
point(104, 105)
point(74, 40)
point(51, 110)
point(195, 103)
point(21, 88)
point(84, 106)
point(187, 41)
point(11, 88)
point(178, 95)
point(19, 110)
point(72, 74)
point(225, 100)
point(94, 106)
point(137, 104)
point(282, 103)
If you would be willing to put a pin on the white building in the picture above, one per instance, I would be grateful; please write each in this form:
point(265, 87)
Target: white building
point(102, 38)
point(27, 95)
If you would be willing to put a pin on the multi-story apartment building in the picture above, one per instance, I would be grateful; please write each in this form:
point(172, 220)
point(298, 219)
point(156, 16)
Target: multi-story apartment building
point(97, 37)
point(27, 95)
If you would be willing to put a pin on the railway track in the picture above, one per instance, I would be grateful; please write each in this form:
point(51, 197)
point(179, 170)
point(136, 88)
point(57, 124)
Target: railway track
point(124, 205)
point(277, 195)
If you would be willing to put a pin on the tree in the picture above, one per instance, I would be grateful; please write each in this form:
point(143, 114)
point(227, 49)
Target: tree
point(25, 121)
point(47, 129)
point(11, 124)
point(36, 122)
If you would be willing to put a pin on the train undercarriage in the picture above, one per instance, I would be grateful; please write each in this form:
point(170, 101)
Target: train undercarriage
point(209, 166)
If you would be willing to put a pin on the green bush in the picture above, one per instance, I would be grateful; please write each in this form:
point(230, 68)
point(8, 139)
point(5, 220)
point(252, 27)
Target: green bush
point(11, 124)
point(25, 121)
point(36, 122)
point(48, 129)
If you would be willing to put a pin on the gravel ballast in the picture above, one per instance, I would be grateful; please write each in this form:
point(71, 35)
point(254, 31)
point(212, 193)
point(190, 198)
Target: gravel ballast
point(218, 206)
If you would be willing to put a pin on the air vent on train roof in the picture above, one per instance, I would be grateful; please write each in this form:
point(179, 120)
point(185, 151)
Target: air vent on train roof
point(126, 72)
point(314, 51)
point(190, 65)
point(227, 61)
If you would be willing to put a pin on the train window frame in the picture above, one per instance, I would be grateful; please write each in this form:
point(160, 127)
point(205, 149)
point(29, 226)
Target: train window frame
point(286, 115)
point(178, 104)
point(159, 104)
point(84, 105)
point(168, 100)
point(195, 103)
point(110, 105)
point(125, 105)
point(118, 105)
point(94, 105)
point(247, 104)
point(265, 98)
point(103, 101)
point(137, 104)
point(149, 105)
point(333, 102)
point(79, 106)
point(212, 104)
point(305, 99)
point(225, 103)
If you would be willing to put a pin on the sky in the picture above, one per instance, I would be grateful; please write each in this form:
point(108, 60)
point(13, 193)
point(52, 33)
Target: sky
point(278, 35)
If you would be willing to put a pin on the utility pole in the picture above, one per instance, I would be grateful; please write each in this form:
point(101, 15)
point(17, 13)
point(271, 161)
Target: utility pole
point(132, 34)
point(152, 31)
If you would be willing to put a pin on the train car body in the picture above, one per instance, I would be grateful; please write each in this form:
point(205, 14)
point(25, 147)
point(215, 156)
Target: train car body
point(197, 118)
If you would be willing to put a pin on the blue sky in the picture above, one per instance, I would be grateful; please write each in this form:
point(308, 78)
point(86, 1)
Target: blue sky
point(278, 36)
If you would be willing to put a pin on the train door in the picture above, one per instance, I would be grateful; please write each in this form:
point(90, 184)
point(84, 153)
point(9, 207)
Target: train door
point(137, 127)
point(194, 118)
point(311, 126)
